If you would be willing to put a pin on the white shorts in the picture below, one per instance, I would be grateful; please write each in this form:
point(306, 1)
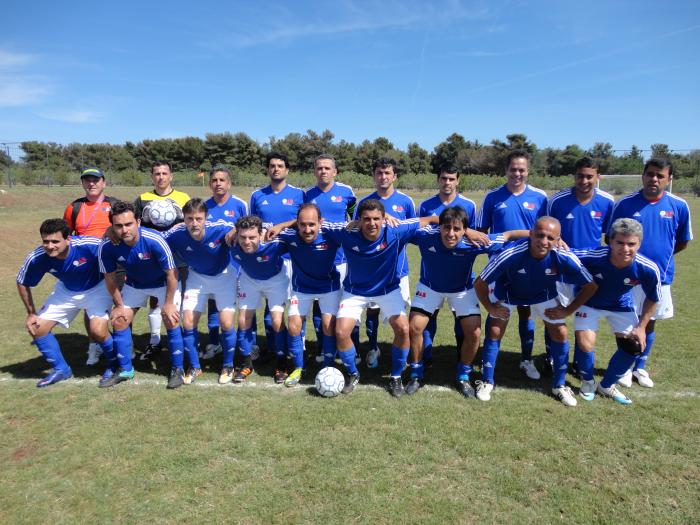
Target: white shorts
point(566, 293)
point(664, 308)
point(137, 297)
point(536, 310)
point(252, 291)
point(390, 304)
point(462, 303)
point(300, 303)
point(405, 287)
point(586, 318)
point(200, 288)
point(342, 270)
point(63, 304)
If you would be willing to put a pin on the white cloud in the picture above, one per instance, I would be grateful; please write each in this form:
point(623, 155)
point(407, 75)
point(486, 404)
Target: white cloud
point(18, 88)
point(9, 60)
point(72, 116)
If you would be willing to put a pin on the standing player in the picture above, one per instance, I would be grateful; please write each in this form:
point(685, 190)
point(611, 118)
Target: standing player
point(263, 276)
point(89, 215)
point(665, 219)
point(202, 245)
point(446, 275)
point(400, 206)
point(584, 213)
point(515, 206)
point(150, 272)
point(447, 196)
point(73, 261)
point(617, 269)
point(222, 206)
point(527, 274)
point(162, 177)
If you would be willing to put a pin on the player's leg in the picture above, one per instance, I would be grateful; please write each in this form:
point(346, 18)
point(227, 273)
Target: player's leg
point(276, 291)
point(349, 312)
point(224, 290)
point(559, 349)
point(155, 322)
point(121, 319)
point(428, 337)
point(213, 346)
point(249, 297)
point(94, 350)
point(620, 363)
point(176, 345)
point(299, 305)
point(190, 322)
point(417, 322)
point(372, 333)
point(496, 329)
point(526, 330)
point(471, 328)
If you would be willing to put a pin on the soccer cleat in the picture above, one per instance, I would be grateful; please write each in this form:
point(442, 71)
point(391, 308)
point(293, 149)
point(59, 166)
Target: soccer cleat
point(150, 352)
point(192, 375)
point(351, 383)
point(529, 369)
point(279, 376)
point(642, 377)
point(483, 390)
point(54, 377)
point(226, 375)
point(293, 378)
point(615, 394)
point(564, 394)
point(396, 387)
point(465, 388)
point(587, 390)
point(373, 358)
point(110, 378)
point(177, 378)
point(211, 351)
point(242, 374)
point(412, 386)
point(94, 353)
point(626, 380)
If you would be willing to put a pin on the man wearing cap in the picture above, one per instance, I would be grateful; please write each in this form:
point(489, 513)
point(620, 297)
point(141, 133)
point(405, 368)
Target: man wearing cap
point(89, 216)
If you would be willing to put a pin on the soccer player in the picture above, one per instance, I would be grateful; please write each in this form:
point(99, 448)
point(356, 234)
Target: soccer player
point(584, 213)
point(162, 177)
point(263, 275)
point(202, 245)
point(446, 275)
point(665, 219)
point(527, 274)
point(89, 216)
point(315, 277)
point(222, 206)
point(400, 206)
point(150, 272)
point(447, 196)
point(617, 269)
point(515, 206)
point(73, 261)
point(373, 251)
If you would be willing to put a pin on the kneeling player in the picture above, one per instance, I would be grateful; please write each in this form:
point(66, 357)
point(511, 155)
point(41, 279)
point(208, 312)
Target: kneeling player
point(74, 262)
point(202, 245)
point(446, 275)
point(150, 272)
point(263, 276)
point(617, 269)
point(527, 274)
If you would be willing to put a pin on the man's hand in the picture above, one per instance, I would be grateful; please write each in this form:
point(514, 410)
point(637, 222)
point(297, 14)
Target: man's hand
point(499, 311)
point(230, 237)
point(111, 236)
point(392, 221)
point(352, 225)
point(273, 232)
point(119, 312)
point(561, 245)
point(639, 333)
point(556, 313)
point(32, 324)
point(170, 313)
point(476, 238)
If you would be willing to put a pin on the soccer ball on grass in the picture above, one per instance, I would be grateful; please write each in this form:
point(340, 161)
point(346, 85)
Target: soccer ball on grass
point(329, 381)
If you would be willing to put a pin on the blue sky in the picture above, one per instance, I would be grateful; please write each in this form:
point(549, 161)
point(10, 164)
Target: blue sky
point(562, 72)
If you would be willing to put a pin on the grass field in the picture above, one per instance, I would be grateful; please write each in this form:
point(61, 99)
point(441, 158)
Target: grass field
point(260, 453)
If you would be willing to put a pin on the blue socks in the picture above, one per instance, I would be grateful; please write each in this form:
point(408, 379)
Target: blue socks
point(417, 370)
point(107, 347)
point(280, 339)
point(354, 336)
point(295, 346)
point(228, 344)
point(398, 360)
point(50, 349)
point(348, 358)
point(463, 371)
point(372, 327)
point(428, 335)
point(123, 345)
point(641, 361)
point(329, 350)
point(579, 357)
point(585, 363)
point(560, 358)
point(245, 343)
point(177, 346)
point(190, 344)
point(618, 366)
point(489, 356)
point(213, 325)
point(526, 329)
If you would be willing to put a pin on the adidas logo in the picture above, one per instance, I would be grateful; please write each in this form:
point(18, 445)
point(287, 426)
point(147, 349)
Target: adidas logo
point(432, 249)
point(293, 244)
point(121, 259)
point(188, 249)
point(599, 275)
point(356, 248)
point(502, 205)
point(522, 270)
point(237, 257)
point(570, 216)
point(636, 214)
point(488, 365)
point(177, 352)
point(52, 271)
point(264, 202)
point(210, 216)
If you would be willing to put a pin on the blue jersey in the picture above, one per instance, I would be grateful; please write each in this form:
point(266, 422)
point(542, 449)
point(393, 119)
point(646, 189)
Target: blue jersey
point(449, 270)
point(520, 279)
point(210, 256)
point(336, 205)
point(372, 265)
point(265, 263)
point(401, 206)
point(313, 263)
point(665, 222)
point(230, 211)
point(434, 206)
point(78, 272)
point(273, 208)
point(503, 211)
point(145, 262)
point(615, 284)
point(582, 225)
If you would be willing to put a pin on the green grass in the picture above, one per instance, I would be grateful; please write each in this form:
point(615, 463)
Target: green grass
point(265, 454)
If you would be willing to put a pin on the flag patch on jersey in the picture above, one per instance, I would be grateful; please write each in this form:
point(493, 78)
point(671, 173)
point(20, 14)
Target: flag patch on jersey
point(229, 213)
point(80, 261)
point(381, 247)
point(214, 244)
point(322, 246)
point(529, 205)
point(263, 258)
point(145, 256)
point(550, 271)
point(631, 282)
point(287, 202)
point(666, 214)
point(596, 214)
point(336, 198)
point(397, 207)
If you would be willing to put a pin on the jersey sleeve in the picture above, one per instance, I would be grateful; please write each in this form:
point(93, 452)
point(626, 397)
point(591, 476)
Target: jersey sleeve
point(31, 271)
point(572, 269)
point(407, 230)
point(352, 203)
point(607, 216)
point(483, 219)
point(651, 282)
point(105, 257)
point(162, 251)
point(471, 215)
point(253, 207)
point(171, 231)
point(411, 211)
point(542, 211)
point(335, 231)
point(684, 232)
point(494, 269)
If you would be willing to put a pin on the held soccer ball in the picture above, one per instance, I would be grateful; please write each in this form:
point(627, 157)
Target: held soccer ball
point(161, 213)
point(329, 381)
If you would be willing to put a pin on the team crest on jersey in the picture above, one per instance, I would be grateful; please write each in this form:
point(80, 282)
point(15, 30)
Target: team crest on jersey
point(229, 213)
point(336, 198)
point(287, 202)
point(397, 207)
point(529, 205)
point(596, 214)
point(322, 246)
point(666, 214)
point(550, 271)
point(631, 282)
point(80, 262)
point(214, 244)
point(381, 246)
point(263, 258)
point(145, 256)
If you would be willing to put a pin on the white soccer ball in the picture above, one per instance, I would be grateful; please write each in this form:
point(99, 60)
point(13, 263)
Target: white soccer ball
point(161, 213)
point(329, 381)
